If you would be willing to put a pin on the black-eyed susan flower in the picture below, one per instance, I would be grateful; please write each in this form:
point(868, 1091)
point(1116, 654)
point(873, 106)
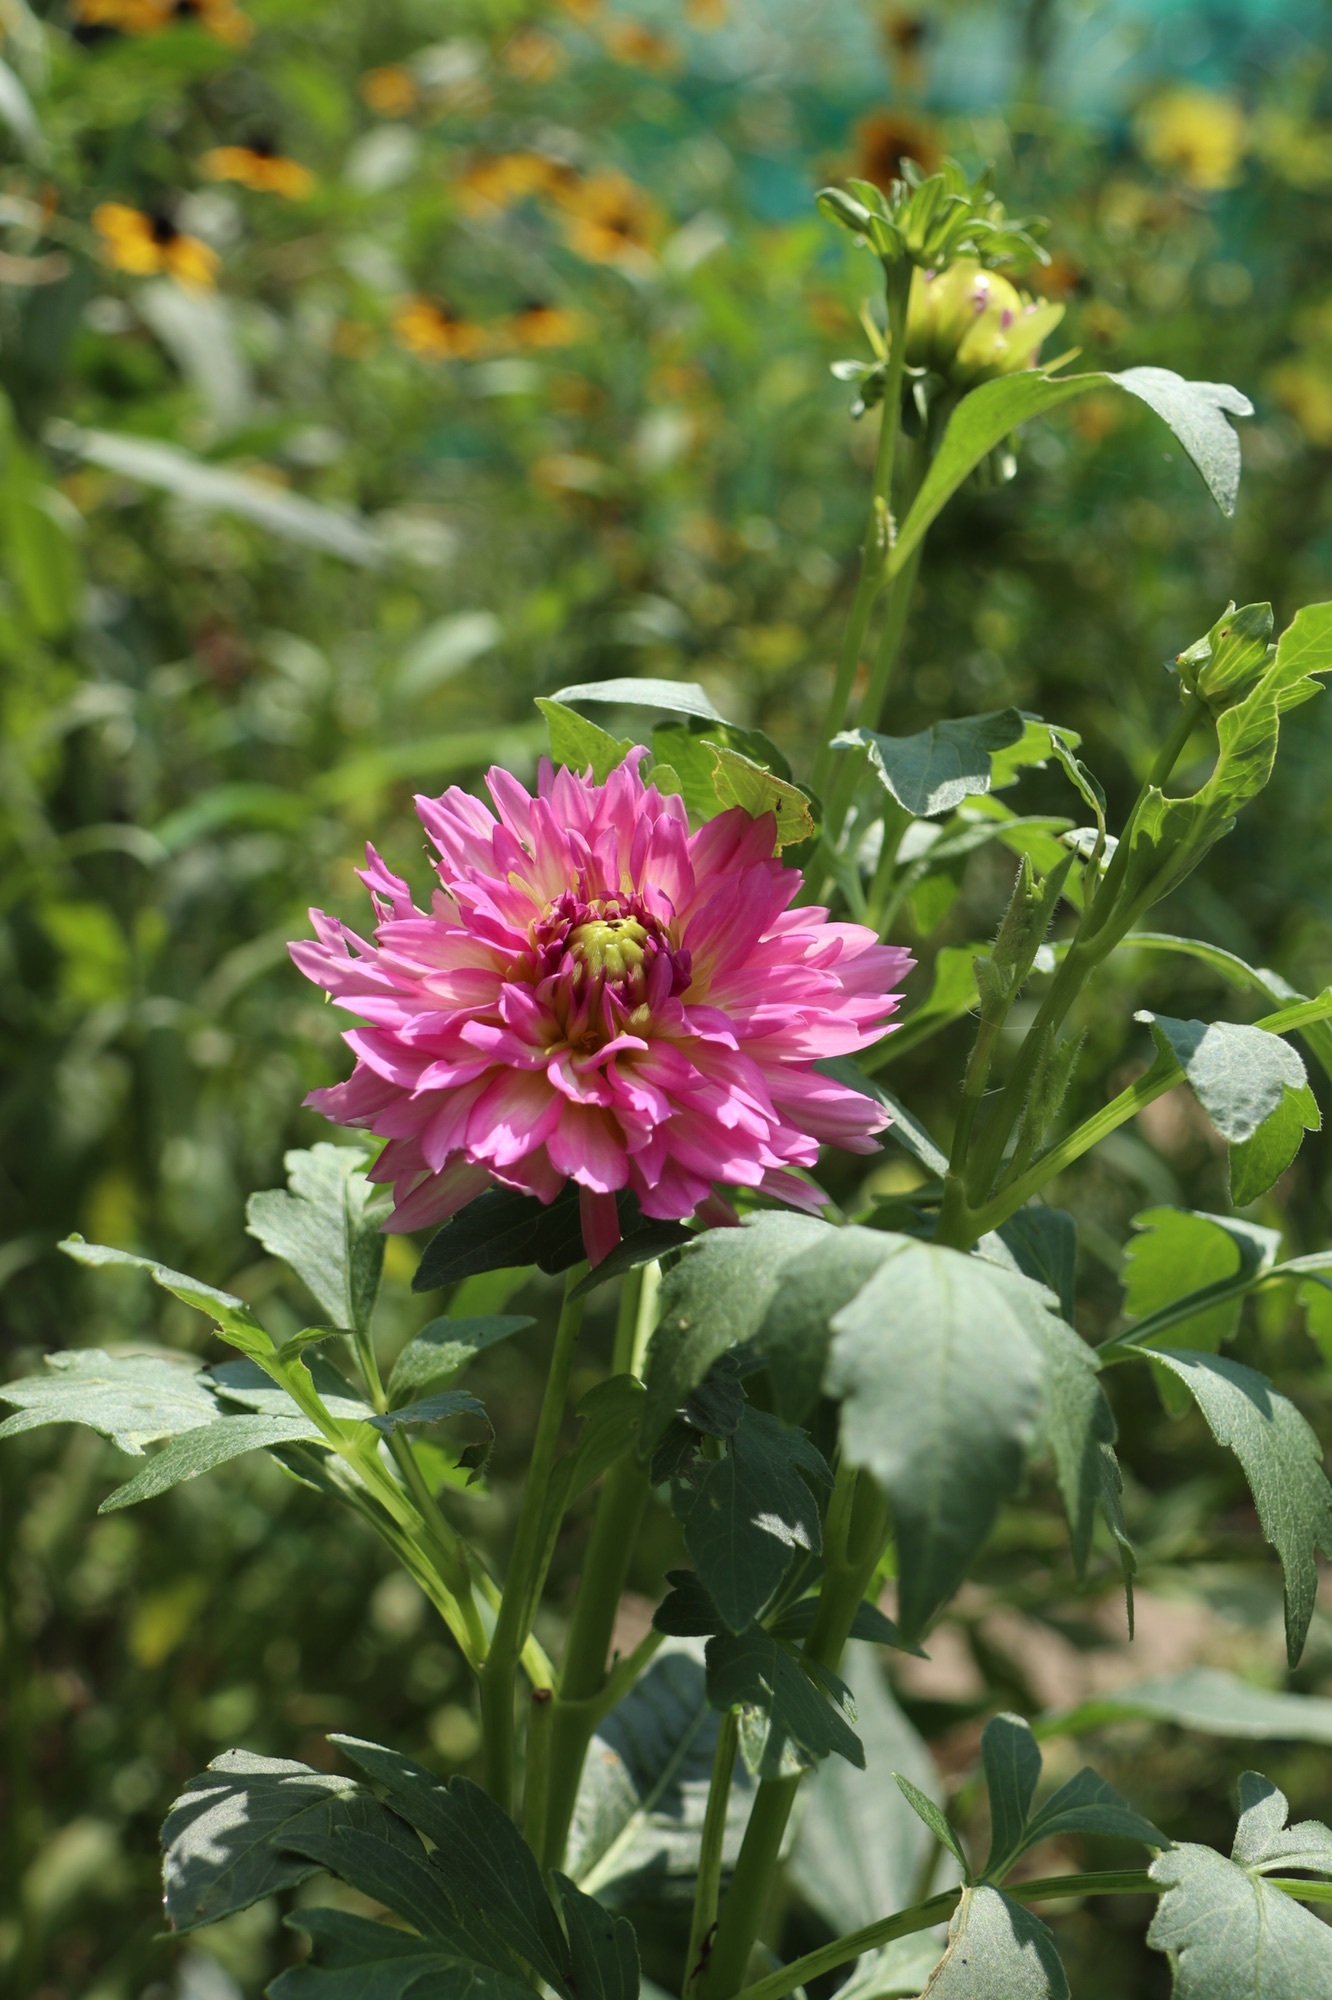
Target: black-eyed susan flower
point(390, 90)
point(608, 220)
point(260, 166)
point(537, 324)
point(499, 180)
point(433, 330)
point(149, 244)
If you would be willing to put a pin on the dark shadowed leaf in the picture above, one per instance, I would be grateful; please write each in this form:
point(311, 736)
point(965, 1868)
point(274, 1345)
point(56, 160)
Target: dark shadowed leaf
point(602, 1946)
point(1012, 1763)
point(354, 1958)
point(502, 1228)
point(791, 1712)
point(221, 1840)
point(754, 1507)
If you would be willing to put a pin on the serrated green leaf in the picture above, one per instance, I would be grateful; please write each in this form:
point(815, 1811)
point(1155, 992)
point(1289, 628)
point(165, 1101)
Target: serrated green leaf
point(579, 743)
point(792, 1712)
point(326, 1227)
point(753, 1509)
point(869, 1624)
point(1282, 1461)
point(445, 1345)
point(231, 1316)
point(1012, 1764)
point(193, 1452)
point(932, 772)
point(940, 1361)
point(132, 1399)
point(1264, 1841)
point(1231, 1936)
point(1238, 1074)
point(997, 1950)
point(644, 1790)
point(221, 1841)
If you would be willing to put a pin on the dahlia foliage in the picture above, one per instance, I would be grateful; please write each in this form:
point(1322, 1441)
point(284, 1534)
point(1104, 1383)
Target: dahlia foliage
point(598, 995)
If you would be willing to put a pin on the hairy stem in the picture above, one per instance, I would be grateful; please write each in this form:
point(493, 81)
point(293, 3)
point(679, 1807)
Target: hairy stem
point(1163, 1075)
point(514, 1620)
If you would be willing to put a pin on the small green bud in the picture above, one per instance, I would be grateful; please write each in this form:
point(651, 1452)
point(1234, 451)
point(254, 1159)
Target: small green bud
point(1239, 649)
point(969, 324)
point(1010, 946)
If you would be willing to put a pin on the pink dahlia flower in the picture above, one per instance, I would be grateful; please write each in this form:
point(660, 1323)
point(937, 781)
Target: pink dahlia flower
point(597, 994)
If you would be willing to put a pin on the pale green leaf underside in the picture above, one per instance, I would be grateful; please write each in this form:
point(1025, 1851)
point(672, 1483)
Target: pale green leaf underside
point(1231, 1936)
point(997, 1950)
point(132, 1399)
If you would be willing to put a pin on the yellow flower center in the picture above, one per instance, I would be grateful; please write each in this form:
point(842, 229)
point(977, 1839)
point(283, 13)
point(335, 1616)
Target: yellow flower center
point(610, 948)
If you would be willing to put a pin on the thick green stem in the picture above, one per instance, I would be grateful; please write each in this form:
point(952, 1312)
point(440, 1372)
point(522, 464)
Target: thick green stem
point(854, 1538)
point(876, 545)
point(624, 1495)
point(514, 1620)
point(707, 1895)
point(536, 1776)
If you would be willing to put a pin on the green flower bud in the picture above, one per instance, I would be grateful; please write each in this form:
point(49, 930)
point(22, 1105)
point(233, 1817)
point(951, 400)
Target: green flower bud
point(1224, 665)
point(970, 324)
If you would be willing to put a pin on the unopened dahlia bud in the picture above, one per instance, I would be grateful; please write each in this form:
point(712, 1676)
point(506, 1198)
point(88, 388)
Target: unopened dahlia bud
point(970, 324)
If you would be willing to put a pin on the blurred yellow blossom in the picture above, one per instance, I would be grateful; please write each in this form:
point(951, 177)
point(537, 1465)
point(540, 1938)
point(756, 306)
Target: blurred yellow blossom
point(540, 325)
point(498, 180)
point(220, 18)
point(534, 56)
point(148, 245)
point(1304, 389)
point(258, 166)
point(1199, 136)
point(608, 220)
point(705, 15)
point(390, 90)
point(431, 329)
point(634, 42)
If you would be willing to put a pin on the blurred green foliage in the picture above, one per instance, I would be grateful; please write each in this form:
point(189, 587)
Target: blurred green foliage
point(529, 385)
